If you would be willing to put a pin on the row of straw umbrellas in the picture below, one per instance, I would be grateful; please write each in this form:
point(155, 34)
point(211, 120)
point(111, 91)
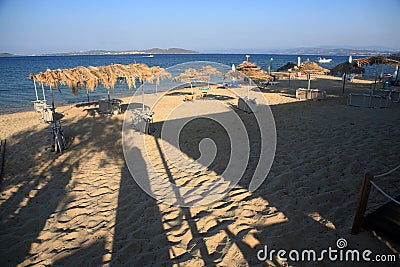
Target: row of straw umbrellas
point(89, 77)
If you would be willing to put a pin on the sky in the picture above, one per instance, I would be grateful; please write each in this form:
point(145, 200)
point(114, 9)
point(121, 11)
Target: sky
point(43, 26)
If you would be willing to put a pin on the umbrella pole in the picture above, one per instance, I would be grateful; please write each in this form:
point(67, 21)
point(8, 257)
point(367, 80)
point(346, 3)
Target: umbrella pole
point(156, 88)
point(44, 95)
point(397, 74)
point(142, 96)
point(344, 83)
point(37, 97)
point(191, 87)
point(87, 94)
point(289, 79)
point(52, 105)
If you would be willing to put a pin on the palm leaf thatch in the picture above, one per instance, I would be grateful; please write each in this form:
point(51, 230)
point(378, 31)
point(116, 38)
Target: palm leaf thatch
point(247, 66)
point(89, 77)
point(312, 68)
point(190, 75)
point(253, 71)
point(160, 73)
point(209, 70)
point(287, 66)
point(391, 60)
point(346, 68)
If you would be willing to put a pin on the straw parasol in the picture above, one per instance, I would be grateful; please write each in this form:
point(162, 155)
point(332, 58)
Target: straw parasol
point(391, 60)
point(310, 68)
point(209, 70)
point(380, 60)
point(160, 73)
point(90, 77)
point(346, 68)
point(189, 76)
point(253, 71)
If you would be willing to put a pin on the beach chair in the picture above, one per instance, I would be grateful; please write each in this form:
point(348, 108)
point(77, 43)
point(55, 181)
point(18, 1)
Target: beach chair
point(47, 114)
point(368, 101)
point(310, 94)
point(109, 106)
point(188, 98)
point(142, 120)
point(39, 105)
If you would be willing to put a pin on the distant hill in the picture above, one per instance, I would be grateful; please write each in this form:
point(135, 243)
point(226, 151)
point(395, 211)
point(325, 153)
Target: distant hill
point(129, 52)
point(168, 51)
point(6, 55)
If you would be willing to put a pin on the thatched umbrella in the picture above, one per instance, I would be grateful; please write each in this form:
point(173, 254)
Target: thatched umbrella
point(190, 75)
point(346, 68)
point(247, 66)
point(287, 66)
point(390, 60)
point(160, 73)
point(310, 68)
point(49, 78)
point(89, 78)
point(253, 71)
point(209, 70)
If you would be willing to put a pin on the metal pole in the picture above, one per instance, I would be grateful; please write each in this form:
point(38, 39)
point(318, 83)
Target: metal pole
point(44, 95)
point(344, 82)
point(142, 96)
point(34, 83)
point(52, 105)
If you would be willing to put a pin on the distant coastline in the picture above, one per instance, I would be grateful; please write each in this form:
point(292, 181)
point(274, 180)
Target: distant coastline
point(292, 51)
point(105, 52)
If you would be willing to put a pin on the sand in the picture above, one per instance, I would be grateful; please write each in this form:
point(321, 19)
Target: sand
point(82, 207)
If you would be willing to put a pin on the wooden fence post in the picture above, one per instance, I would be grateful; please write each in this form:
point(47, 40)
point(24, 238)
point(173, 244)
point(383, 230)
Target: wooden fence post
point(2, 154)
point(362, 203)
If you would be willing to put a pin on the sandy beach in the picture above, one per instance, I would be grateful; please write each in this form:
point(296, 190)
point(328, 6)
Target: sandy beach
point(82, 207)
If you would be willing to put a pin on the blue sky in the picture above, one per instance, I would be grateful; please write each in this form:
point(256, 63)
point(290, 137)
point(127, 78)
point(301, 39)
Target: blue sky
point(44, 26)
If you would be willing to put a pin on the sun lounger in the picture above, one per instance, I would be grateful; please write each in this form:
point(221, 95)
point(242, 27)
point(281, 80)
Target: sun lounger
point(47, 114)
point(394, 95)
point(310, 94)
point(188, 98)
point(368, 101)
point(39, 105)
point(142, 120)
point(110, 107)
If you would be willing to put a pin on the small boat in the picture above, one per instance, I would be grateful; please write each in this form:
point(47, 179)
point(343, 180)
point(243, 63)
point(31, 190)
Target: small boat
point(149, 56)
point(323, 60)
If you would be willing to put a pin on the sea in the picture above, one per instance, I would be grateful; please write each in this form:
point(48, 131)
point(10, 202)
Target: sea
point(17, 90)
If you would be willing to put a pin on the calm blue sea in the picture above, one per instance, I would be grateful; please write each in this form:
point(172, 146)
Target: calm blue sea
point(17, 91)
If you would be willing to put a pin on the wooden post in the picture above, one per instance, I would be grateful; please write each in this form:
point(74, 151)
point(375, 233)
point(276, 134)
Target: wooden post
point(2, 154)
point(362, 203)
